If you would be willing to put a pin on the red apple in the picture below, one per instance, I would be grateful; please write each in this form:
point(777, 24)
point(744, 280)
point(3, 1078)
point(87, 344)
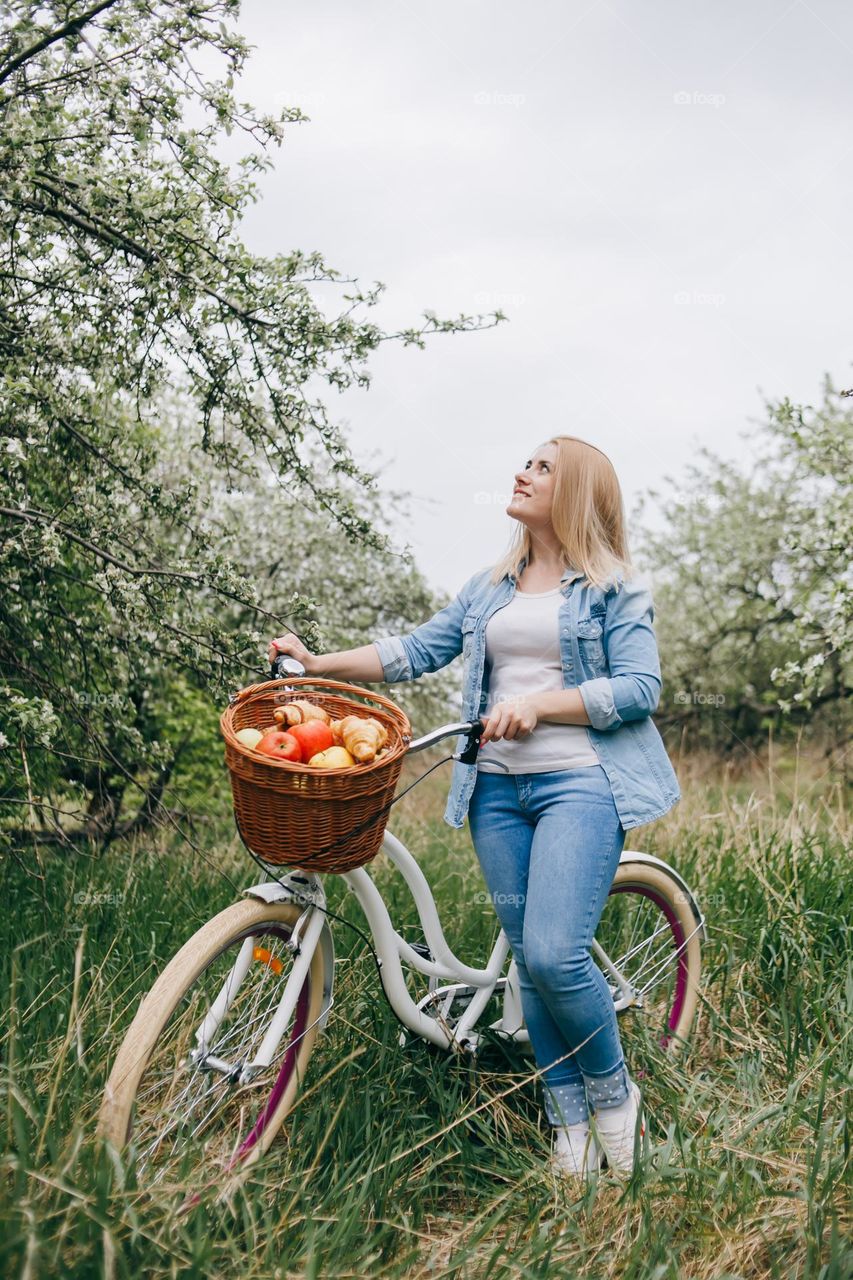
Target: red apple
point(281, 746)
point(313, 736)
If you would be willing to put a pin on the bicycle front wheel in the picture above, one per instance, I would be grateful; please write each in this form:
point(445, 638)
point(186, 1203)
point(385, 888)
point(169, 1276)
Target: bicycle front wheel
point(175, 1101)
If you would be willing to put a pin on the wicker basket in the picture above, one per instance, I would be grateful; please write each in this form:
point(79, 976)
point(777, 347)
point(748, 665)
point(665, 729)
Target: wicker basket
point(318, 819)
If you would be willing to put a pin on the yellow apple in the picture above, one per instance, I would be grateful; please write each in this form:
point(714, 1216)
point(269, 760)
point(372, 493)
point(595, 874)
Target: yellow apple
point(332, 758)
point(249, 737)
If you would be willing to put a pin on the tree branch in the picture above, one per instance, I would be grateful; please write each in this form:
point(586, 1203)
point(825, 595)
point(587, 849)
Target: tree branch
point(42, 517)
point(51, 37)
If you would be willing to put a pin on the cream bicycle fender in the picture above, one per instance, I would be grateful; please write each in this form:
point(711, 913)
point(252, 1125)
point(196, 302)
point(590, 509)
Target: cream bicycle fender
point(275, 891)
point(633, 855)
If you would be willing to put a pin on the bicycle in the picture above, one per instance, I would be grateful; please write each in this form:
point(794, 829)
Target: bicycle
point(212, 1063)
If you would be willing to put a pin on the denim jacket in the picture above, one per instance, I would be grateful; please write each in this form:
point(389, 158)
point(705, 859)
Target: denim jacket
point(609, 652)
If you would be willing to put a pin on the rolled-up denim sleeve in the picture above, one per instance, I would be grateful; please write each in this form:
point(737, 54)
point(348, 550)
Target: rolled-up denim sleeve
point(632, 689)
point(395, 662)
point(429, 647)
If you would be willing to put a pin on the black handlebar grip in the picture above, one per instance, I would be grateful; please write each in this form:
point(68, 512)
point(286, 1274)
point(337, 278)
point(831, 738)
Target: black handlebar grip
point(469, 755)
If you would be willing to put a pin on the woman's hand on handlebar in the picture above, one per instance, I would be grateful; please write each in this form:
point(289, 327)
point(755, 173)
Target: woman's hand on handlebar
point(515, 717)
point(294, 648)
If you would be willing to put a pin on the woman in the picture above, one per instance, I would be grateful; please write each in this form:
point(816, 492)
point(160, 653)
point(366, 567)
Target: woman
point(561, 664)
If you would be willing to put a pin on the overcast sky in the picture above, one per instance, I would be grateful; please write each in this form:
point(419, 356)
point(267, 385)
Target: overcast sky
point(657, 195)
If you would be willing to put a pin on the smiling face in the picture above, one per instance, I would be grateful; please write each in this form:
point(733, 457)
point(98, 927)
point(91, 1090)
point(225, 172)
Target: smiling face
point(534, 488)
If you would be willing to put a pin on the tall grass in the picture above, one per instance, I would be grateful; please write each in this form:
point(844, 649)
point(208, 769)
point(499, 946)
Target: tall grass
point(409, 1162)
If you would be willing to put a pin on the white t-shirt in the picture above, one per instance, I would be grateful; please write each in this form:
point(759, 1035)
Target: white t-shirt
point(523, 653)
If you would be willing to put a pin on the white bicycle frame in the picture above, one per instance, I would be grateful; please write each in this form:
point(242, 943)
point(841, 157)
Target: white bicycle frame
point(312, 930)
point(393, 951)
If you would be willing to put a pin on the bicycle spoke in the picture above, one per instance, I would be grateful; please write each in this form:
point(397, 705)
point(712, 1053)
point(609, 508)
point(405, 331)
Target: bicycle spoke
point(627, 956)
point(184, 1104)
point(648, 946)
point(675, 955)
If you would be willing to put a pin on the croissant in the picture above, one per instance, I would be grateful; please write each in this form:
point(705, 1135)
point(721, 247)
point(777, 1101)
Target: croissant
point(362, 738)
point(298, 711)
point(335, 726)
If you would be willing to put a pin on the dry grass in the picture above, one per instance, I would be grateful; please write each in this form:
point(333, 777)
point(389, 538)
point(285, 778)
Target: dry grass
point(432, 1168)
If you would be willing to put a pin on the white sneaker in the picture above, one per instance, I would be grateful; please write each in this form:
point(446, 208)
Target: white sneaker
point(615, 1128)
point(575, 1152)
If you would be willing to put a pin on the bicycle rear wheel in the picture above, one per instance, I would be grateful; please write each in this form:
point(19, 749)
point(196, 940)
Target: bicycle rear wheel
point(649, 932)
point(181, 1112)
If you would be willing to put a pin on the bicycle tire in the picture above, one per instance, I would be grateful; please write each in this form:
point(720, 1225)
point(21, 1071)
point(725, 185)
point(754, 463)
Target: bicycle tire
point(659, 887)
point(170, 991)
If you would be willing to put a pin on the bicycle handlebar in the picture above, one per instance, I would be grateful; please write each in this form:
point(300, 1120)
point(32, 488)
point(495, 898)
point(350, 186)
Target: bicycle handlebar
point(473, 728)
point(284, 666)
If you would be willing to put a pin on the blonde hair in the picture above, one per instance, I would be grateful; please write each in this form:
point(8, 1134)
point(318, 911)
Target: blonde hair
point(587, 514)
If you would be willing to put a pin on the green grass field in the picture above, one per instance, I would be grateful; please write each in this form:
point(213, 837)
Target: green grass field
point(408, 1162)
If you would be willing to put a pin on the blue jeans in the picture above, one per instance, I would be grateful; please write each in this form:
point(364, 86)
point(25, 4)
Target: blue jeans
point(549, 845)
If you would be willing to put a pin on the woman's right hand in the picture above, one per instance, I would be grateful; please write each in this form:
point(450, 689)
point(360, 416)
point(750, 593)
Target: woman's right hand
point(294, 648)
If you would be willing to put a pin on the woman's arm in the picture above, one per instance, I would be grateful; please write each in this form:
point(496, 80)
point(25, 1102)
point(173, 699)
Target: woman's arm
point(355, 665)
point(430, 646)
point(560, 706)
point(348, 664)
point(392, 658)
point(632, 690)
